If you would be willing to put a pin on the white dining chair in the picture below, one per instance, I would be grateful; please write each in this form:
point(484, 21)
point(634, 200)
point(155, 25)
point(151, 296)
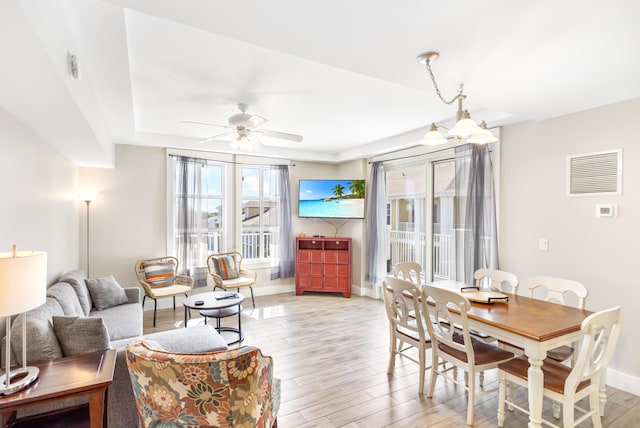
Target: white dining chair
point(459, 349)
point(496, 280)
point(564, 384)
point(410, 271)
point(407, 324)
point(558, 290)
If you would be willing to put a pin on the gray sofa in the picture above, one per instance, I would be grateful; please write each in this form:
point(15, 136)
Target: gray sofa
point(70, 297)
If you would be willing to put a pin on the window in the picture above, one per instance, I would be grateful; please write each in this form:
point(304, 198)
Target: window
point(198, 211)
point(259, 217)
point(218, 204)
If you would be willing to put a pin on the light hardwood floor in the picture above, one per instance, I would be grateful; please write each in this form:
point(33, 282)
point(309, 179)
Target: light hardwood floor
point(331, 354)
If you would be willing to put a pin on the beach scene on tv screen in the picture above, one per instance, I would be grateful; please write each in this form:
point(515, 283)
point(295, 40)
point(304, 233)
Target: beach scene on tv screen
point(331, 198)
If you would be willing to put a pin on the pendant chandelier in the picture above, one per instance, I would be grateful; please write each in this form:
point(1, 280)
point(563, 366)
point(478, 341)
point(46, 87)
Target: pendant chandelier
point(465, 127)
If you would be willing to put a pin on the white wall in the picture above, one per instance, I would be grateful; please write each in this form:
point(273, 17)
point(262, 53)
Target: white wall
point(599, 252)
point(39, 199)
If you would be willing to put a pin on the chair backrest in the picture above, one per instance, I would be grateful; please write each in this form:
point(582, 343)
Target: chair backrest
point(229, 388)
point(595, 348)
point(403, 304)
point(557, 289)
point(152, 273)
point(496, 280)
point(410, 271)
point(213, 259)
point(444, 328)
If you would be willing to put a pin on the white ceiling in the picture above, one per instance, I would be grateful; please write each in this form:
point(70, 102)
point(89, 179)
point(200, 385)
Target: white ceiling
point(341, 73)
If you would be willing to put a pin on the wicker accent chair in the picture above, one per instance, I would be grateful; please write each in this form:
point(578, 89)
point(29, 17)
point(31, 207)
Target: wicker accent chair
point(227, 273)
point(159, 280)
point(230, 388)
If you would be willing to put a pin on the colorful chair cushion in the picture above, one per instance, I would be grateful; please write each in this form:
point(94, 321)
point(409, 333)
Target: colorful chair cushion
point(160, 274)
point(226, 267)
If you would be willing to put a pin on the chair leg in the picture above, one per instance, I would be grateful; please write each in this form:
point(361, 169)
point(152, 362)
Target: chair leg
point(556, 410)
point(472, 398)
point(502, 392)
point(434, 372)
point(423, 364)
point(174, 303)
point(155, 307)
point(252, 299)
point(143, 299)
point(392, 354)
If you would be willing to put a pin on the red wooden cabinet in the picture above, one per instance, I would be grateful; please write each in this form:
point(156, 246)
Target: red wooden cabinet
point(323, 264)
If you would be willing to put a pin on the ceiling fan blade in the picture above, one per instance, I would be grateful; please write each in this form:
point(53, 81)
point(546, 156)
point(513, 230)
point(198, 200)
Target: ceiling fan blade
point(280, 135)
point(208, 124)
point(254, 121)
point(215, 137)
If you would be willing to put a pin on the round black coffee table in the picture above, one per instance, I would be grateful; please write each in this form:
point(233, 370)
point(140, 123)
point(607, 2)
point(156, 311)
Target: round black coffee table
point(218, 305)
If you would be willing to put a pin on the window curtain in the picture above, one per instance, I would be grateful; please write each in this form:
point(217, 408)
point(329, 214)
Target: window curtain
point(375, 225)
point(286, 247)
point(475, 210)
point(189, 217)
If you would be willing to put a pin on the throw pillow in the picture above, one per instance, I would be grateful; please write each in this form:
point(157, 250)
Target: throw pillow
point(159, 274)
point(226, 267)
point(80, 335)
point(106, 292)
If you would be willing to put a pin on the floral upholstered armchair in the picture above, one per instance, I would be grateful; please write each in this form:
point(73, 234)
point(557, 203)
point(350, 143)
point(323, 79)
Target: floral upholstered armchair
point(230, 388)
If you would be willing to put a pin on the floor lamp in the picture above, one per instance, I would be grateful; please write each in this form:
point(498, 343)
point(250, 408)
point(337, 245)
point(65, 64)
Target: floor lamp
point(23, 286)
point(88, 198)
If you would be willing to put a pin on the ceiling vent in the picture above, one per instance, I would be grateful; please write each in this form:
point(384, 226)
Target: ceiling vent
point(595, 173)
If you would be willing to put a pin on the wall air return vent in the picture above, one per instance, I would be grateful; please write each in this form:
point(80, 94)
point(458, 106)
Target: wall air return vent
point(595, 173)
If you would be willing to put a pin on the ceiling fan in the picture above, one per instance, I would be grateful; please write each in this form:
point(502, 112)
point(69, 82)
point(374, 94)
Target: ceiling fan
point(245, 128)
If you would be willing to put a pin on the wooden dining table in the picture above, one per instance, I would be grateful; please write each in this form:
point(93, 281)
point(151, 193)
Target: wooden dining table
point(534, 325)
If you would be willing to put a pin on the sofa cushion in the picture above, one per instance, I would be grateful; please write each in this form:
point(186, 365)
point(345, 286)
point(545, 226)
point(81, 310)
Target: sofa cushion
point(159, 274)
point(42, 343)
point(122, 321)
point(106, 292)
point(67, 298)
point(80, 335)
point(76, 278)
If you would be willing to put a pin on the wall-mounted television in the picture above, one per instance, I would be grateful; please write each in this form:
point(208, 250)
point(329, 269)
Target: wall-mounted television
point(331, 199)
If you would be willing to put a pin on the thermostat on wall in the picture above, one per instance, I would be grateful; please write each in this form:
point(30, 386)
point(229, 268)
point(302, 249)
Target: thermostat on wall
point(606, 210)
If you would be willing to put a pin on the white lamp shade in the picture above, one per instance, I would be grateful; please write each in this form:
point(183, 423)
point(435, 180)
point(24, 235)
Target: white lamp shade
point(23, 281)
point(464, 128)
point(483, 136)
point(433, 138)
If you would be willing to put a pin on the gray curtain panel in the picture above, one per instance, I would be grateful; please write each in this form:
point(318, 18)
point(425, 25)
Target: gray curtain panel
point(286, 246)
point(375, 223)
point(475, 208)
point(189, 217)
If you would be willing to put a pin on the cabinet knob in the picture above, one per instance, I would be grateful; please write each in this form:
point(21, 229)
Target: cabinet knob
point(313, 242)
point(337, 242)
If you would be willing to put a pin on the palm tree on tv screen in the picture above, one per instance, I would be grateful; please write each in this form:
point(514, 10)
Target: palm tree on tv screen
point(338, 190)
point(357, 188)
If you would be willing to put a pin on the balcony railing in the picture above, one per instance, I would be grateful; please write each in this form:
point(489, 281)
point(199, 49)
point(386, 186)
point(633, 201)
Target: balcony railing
point(411, 247)
point(205, 244)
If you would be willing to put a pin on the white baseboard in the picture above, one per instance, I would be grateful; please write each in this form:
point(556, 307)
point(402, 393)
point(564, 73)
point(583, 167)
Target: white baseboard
point(623, 381)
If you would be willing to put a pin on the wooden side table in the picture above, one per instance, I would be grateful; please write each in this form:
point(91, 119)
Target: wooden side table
point(81, 375)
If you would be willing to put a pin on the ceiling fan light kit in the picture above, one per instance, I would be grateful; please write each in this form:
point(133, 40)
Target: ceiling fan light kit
point(465, 127)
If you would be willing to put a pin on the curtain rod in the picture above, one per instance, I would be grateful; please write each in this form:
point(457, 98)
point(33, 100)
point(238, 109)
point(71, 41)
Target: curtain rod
point(425, 154)
point(415, 156)
point(227, 161)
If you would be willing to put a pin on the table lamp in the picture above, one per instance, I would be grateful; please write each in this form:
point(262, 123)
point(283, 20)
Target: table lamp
point(23, 286)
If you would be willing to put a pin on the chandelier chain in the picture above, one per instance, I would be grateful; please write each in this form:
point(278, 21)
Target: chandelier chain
point(435, 86)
